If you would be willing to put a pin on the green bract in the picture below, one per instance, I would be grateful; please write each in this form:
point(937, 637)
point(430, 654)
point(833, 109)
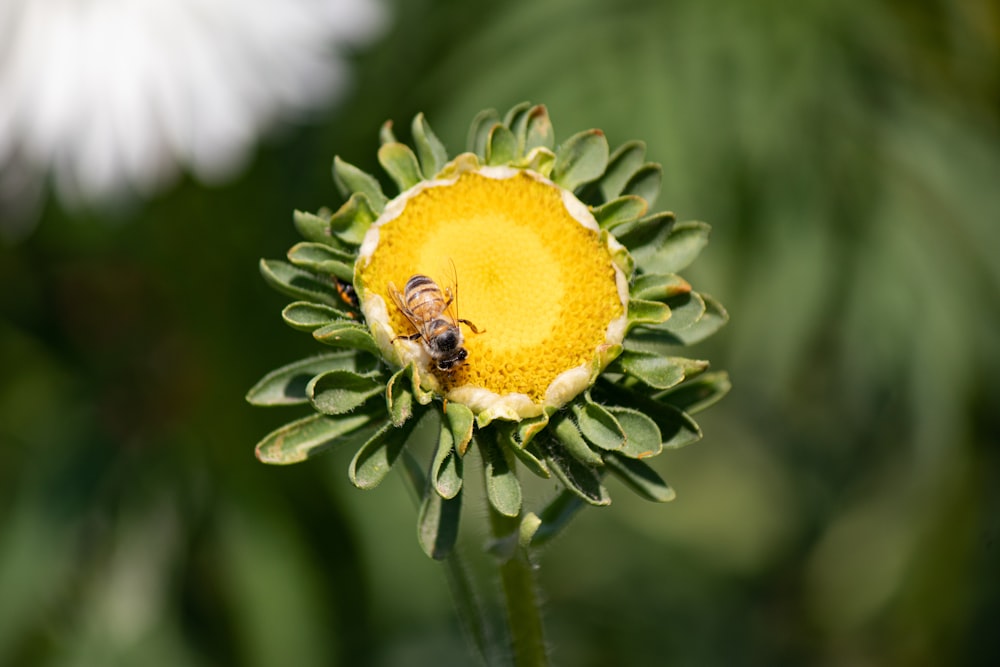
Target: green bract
point(633, 399)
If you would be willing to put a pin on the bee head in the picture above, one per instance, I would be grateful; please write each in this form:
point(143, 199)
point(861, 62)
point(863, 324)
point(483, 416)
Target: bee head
point(448, 363)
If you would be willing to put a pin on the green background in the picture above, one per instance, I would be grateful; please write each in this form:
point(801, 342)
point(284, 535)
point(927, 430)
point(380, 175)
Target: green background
point(843, 508)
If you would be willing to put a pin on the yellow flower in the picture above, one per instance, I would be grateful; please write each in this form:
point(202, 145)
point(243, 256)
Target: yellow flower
point(518, 297)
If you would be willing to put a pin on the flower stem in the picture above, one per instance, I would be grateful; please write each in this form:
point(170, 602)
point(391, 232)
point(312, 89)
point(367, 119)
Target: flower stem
point(520, 592)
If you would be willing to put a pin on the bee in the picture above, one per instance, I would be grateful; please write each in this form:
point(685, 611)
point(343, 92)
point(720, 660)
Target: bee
point(433, 314)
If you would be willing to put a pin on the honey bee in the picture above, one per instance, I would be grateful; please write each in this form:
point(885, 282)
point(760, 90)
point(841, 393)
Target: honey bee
point(433, 314)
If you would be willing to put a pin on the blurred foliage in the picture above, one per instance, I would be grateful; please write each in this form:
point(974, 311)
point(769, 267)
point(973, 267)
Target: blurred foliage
point(843, 509)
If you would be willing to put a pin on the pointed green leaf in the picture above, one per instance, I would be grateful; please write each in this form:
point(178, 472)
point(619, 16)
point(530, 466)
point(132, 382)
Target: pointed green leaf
point(645, 182)
point(437, 523)
point(338, 392)
point(385, 134)
point(538, 131)
point(399, 397)
point(698, 394)
point(658, 371)
point(618, 212)
point(578, 478)
point(352, 220)
point(659, 287)
point(516, 116)
point(432, 153)
point(713, 319)
point(297, 283)
point(507, 437)
point(446, 467)
point(287, 385)
point(401, 165)
point(305, 438)
point(580, 159)
point(479, 131)
point(622, 164)
point(349, 179)
point(569, 437)
point(598, 425)
point(642, 436)
point(640, 477)
point(647, 312)
point(502, 485)
point(314, 227)
point(685, 310)
point(678, 249)
point(556, 516)
point(376, 457)
point(460, 420)
point(322, 258)
point(676, 428)
point(307, 316)
point(645, 235)
point(343, 333)
point(501, 146)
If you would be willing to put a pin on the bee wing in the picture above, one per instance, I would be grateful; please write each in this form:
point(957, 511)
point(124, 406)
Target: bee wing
point(397, 299)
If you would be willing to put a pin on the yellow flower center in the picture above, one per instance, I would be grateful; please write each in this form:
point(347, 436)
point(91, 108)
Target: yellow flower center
point(539, 285)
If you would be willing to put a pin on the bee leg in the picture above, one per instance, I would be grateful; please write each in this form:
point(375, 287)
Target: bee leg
point(472, 326)
point(410, 337)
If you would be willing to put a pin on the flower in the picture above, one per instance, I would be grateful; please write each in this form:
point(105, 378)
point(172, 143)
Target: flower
point(518, 297)
point(113, 96)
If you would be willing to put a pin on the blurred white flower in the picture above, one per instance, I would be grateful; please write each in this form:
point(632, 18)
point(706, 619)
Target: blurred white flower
point(113, 97)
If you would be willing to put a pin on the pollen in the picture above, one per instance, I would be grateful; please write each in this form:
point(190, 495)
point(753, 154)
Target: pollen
point(539, 284)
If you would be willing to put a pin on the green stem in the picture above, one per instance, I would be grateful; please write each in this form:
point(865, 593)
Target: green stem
point(520, 591)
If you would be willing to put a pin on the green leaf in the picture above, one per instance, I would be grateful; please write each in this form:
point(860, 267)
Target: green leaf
point(698, 394)
point(580, 159)
point(501, 146)
point(502, 485)
point(568, 435)
point(676, 428)
point(446, 467)
point(645, 182)
point(658, 371)
point(516, 116)
point(647, 312)
point(399, 397)
point(642, 436)
point(679, 248)
point(479, 131)
point(578, 478)
point(659, 286)
point(432, 153)
point(460, 421)
point(713, 319)
point(287, 385)
point(598, 425)
point(352, 220)
point(305, 438)
point(618, 212)
point(437, 523)
point(685, 310)
point(401, 164)
point(507, 438)
point(639, 477)
point(538, 131)
point(349, 179)
point(322, 258)
point(338, 392)
point(645, 235)
point(307, 316)
point(297, 283)
point(555, 516)
point(385, 134)
point(376, 457)
point(346, 334)
point(623, 163)
point(314, 227)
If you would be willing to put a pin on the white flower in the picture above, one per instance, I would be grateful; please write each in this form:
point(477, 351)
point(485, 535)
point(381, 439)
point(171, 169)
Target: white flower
point(114, 96)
